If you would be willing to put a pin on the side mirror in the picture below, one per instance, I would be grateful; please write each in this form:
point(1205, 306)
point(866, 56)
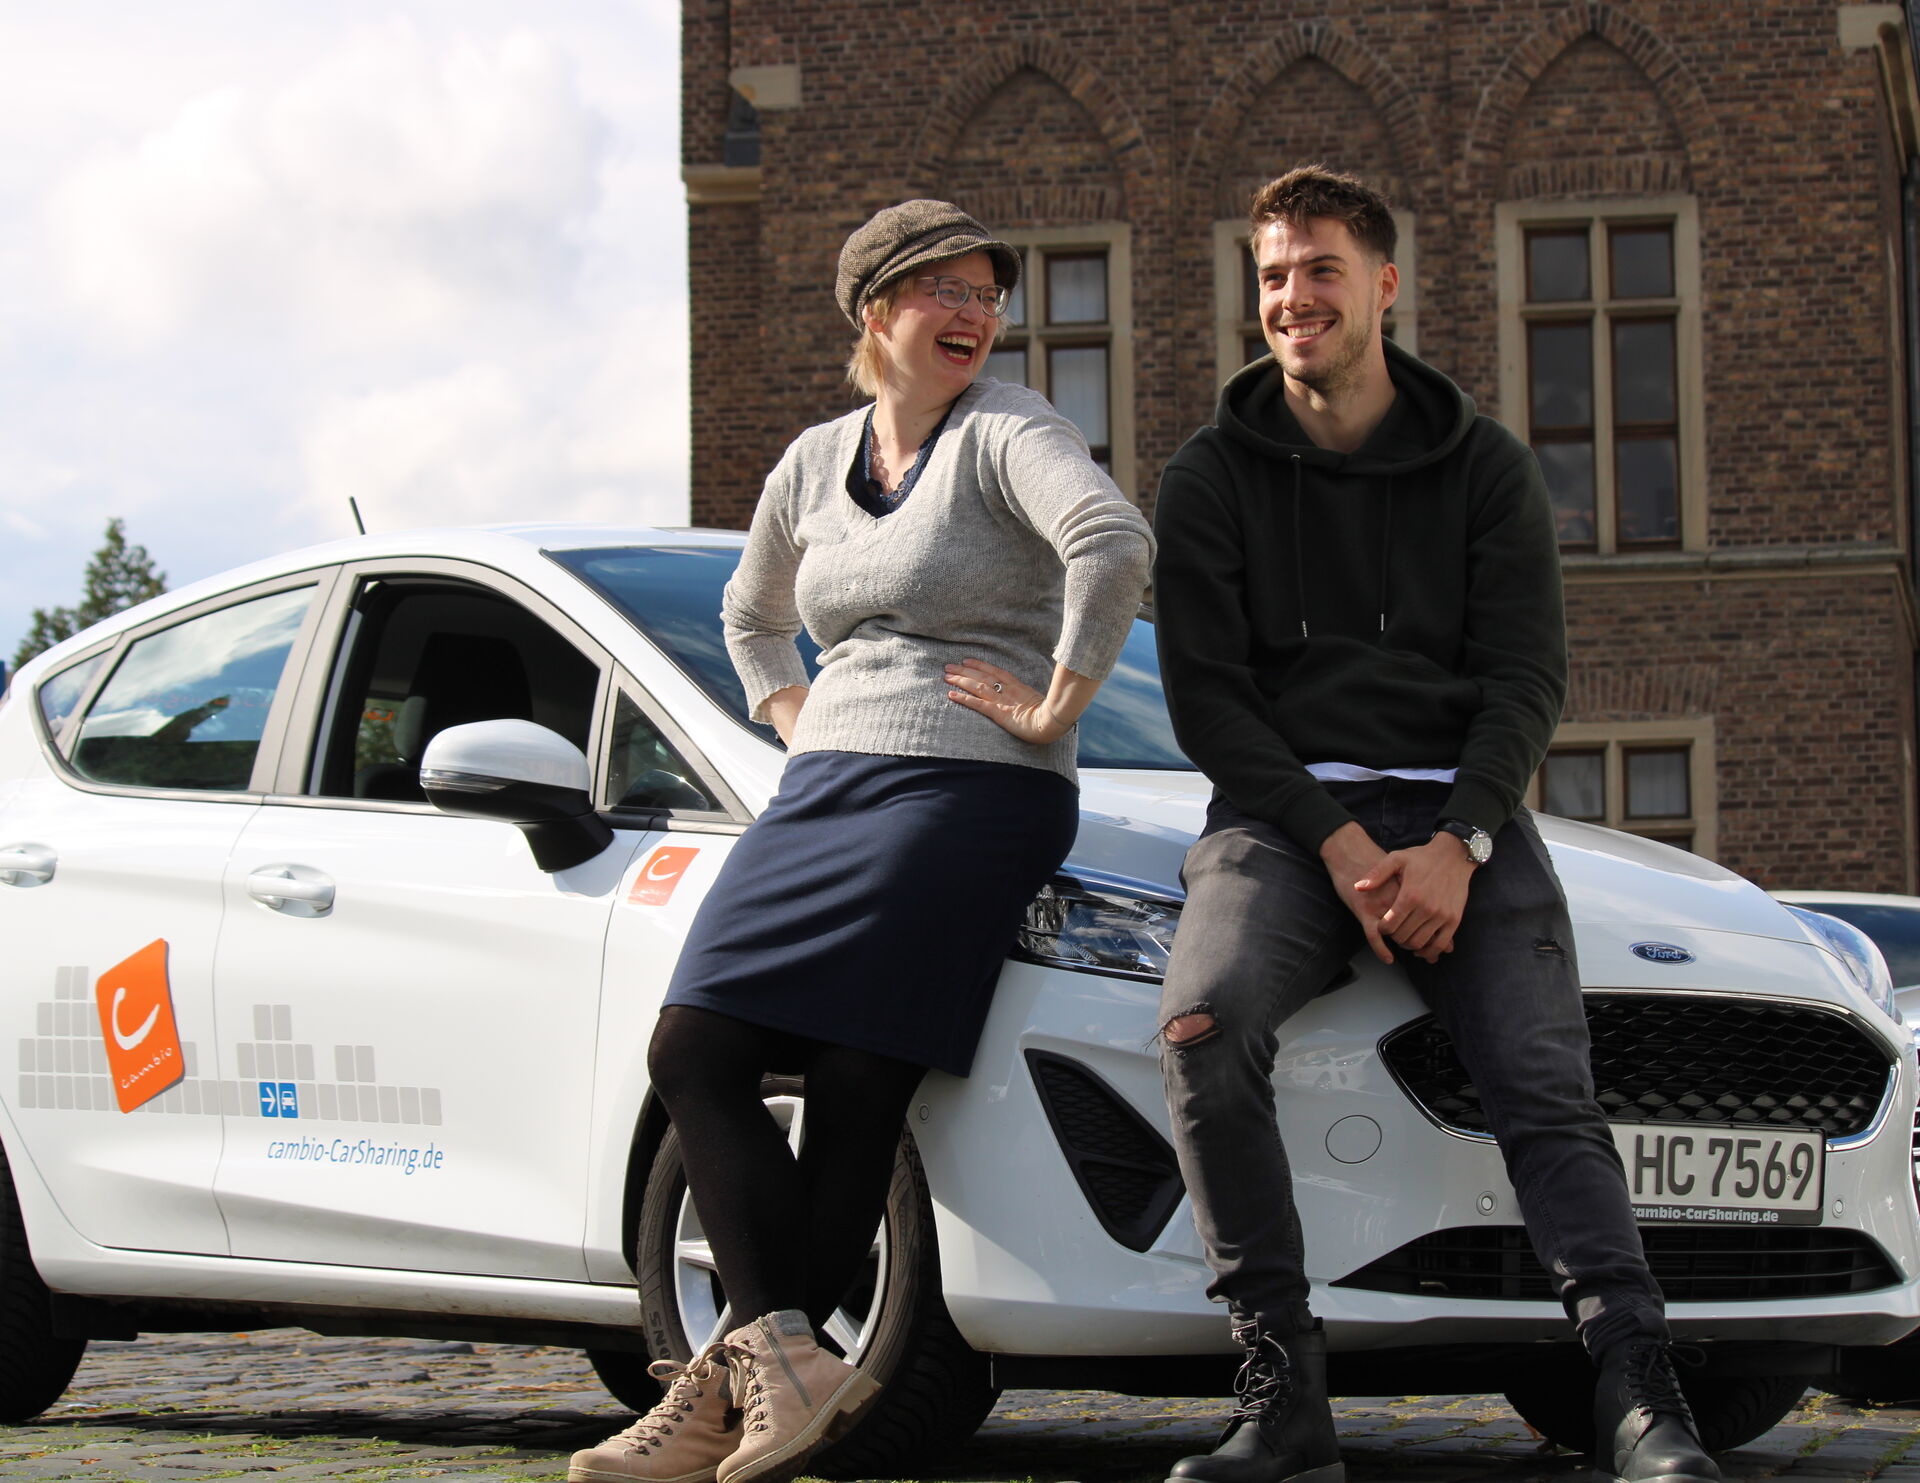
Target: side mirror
point(515, 772)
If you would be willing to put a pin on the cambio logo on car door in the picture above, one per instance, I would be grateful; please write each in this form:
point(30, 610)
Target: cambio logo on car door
point(136, 1021)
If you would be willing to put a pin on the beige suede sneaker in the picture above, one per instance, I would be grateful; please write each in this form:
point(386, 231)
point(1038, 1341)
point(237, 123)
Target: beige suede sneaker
point(796, 1397)
point(684, 1439)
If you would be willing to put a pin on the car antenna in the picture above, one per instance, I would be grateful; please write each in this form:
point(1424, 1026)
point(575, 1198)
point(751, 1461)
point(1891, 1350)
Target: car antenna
point(354, 505)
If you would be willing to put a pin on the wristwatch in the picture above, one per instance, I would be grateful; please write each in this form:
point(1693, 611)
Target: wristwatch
point(1479, 843)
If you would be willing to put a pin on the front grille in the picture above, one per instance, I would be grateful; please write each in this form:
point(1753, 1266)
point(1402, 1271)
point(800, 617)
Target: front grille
point(1691, 1263)
point(1123, 1166)
point(1674, 1058)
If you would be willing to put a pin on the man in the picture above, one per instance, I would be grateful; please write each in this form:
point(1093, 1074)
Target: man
point(1360, 625)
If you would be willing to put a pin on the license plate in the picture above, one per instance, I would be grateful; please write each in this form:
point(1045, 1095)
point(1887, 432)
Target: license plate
point(1722, 1176)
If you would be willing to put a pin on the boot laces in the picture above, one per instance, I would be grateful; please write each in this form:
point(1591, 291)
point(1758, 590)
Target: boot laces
point(1265, 1381)
point(1653, 1384)
point(749, 1391)
point(687, 1385)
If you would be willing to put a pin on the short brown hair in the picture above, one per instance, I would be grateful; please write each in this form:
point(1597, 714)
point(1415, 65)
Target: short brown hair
point(1310, 191)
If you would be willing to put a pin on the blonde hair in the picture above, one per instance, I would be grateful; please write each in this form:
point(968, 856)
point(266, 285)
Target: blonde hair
point(868, 362)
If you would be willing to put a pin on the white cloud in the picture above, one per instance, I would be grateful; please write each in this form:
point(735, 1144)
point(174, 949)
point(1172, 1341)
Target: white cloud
point(254, 258)
point(386, 192)
point(485, 443)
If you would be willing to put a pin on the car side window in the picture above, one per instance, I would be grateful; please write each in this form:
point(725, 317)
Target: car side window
point(645, 772)
point(61, 692)
point(186, 707)
point(426, 654)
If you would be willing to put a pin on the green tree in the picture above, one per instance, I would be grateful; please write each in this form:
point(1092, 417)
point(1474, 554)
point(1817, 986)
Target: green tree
point(118, 577)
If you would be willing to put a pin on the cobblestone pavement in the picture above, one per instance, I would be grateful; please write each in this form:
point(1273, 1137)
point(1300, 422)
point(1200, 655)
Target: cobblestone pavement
point(286, 1405)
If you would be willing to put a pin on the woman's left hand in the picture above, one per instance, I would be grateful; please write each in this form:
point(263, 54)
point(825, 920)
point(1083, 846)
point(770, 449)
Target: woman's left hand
point(1006, 700)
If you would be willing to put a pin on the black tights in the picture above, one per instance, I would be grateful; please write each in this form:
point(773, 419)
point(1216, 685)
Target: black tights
point(786, 1232)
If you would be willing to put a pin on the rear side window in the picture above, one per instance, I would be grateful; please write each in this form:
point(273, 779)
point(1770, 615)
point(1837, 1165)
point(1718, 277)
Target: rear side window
point(59, 695)
point(186, 707)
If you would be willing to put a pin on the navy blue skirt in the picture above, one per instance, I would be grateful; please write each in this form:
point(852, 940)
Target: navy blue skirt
point(874, 901)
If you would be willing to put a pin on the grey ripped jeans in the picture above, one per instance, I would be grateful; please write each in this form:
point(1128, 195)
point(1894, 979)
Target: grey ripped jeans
point(1263, 933)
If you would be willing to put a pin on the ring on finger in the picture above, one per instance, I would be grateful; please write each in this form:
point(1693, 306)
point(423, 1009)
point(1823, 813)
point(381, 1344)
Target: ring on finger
point(998, 687)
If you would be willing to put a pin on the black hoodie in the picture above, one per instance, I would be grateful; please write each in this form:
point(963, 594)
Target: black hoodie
point(1397, 606)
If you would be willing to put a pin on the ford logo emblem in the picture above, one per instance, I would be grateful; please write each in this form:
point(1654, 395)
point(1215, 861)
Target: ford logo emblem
point(1661, 952)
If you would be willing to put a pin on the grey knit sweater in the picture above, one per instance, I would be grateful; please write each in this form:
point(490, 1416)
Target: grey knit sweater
point(1013, 548)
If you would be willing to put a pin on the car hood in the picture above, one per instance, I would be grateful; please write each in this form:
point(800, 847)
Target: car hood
point(1138, 825)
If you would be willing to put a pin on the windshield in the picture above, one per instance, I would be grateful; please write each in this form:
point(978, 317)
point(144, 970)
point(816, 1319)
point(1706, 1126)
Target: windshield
point(1895, 930)
point(673, 597)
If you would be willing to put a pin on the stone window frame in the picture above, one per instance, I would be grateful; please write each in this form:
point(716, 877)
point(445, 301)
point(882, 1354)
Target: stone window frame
point(1512, 219)
point(1232, 272)
point(1614, 740)
point(1115, 238)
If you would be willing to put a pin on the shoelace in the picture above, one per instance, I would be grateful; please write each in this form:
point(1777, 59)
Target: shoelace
point(1652, 1382)
point(1265, 1379)
point(689, 1381)
point(748, 1393)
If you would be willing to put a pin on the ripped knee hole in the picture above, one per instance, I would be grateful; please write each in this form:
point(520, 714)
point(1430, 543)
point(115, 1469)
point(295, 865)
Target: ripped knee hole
point(1189, 1029)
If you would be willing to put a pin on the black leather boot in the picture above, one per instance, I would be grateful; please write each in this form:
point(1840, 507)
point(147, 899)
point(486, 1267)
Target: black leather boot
point(1283, 1429)
point(1643, 1430)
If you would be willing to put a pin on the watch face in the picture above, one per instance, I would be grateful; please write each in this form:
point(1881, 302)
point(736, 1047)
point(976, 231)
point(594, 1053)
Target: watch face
point(1479, 847)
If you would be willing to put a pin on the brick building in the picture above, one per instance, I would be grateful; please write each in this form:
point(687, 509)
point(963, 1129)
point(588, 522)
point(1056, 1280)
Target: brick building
point(1669, 242)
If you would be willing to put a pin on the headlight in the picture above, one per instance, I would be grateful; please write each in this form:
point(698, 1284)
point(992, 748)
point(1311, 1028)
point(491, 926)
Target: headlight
point(1854, 948)
point(1100, 924)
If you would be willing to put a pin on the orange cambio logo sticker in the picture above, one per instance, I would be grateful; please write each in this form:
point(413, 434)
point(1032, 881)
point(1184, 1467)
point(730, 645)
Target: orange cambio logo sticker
point(136, 1021)
point(654, 885)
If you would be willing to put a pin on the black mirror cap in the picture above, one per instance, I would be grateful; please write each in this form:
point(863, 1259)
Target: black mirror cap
point(561, 844)
point(560, 823)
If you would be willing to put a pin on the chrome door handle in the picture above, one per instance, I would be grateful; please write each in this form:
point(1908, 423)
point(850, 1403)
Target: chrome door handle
point(26, 864)
point(306, 894)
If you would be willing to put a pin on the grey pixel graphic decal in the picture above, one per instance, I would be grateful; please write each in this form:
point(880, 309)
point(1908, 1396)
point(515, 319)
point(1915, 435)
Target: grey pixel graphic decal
point(63, 1067)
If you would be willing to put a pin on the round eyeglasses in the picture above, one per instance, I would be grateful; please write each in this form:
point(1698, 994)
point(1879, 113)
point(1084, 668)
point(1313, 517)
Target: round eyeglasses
point(953, 293)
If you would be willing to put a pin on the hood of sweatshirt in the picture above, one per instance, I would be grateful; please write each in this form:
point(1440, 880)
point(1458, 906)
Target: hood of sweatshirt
point(1428, 419)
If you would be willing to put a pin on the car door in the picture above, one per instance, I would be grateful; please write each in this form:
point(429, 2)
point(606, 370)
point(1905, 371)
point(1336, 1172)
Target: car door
point(413, 1002)
point(157, 749)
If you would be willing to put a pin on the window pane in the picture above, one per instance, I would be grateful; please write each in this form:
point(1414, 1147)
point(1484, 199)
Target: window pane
point(1642, 262)
point(1249, 285)
point(1560, 364)
point(1008, 365)
point(186, 707)
point(1657, 784)
point(1568, 468)
point(1252, 348)
point(1557, 266)
point(59, 695)
point(1077, 289)
point(644, 771)
point(1573, 785)
point(1077, 378)
point(1649, 489)
point(1643, 371)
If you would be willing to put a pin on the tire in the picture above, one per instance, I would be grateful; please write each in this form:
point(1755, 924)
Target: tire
point(36, 1366)
point(1730, 1410)
point(625, 1376)
point(936, 1390)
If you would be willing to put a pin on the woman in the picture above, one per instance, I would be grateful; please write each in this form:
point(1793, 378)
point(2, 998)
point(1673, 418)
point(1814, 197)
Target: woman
point(952, 548)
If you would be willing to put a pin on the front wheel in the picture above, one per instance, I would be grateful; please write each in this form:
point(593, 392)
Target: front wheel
point(935, 1389)
point(1730, 1410)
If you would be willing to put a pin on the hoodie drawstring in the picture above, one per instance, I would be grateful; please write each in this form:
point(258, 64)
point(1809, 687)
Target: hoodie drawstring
point(1386, 550)
point(1300, 558)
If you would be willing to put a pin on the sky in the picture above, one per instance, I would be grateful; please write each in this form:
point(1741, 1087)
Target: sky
point(255, 259)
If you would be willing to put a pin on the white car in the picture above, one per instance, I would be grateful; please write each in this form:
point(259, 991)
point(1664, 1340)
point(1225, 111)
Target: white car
point(338, 893)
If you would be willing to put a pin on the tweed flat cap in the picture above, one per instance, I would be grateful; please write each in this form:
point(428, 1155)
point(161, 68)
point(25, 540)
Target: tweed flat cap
point(909, 236)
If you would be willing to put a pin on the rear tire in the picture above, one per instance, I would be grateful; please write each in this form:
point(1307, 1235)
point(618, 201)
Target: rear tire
point(935, 1389)
point(36, 1366)
point(1730, 1410)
